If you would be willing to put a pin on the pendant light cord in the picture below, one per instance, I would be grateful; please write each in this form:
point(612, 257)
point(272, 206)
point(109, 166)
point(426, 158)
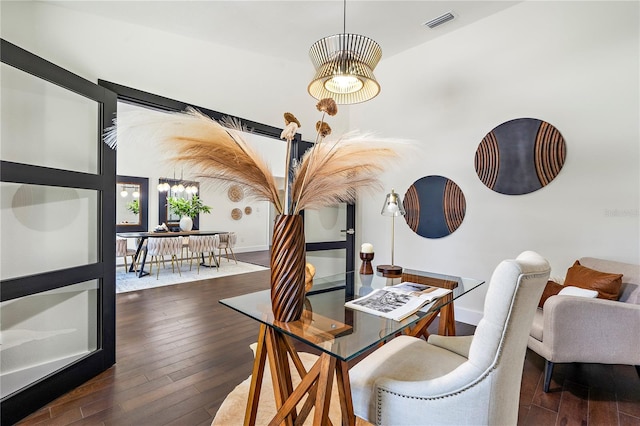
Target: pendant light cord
point(344, 17)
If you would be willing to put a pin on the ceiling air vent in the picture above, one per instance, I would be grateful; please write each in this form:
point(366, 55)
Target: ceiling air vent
point(439, 20)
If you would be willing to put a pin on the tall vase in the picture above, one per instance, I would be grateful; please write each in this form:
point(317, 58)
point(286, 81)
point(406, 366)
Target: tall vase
point(288, 259)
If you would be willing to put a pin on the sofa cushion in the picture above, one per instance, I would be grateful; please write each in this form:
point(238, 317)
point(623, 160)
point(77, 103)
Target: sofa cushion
point(578, 292)
point(551, 289)
point(606, 284)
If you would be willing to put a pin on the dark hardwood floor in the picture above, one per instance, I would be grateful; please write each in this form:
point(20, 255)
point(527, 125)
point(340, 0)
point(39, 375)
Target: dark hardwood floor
point(180, 352)
point(261, 258)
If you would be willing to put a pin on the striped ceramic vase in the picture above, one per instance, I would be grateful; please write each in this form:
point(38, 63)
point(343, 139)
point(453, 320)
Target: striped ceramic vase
point(288, 259)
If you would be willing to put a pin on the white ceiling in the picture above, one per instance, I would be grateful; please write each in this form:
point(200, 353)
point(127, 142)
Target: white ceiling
point(288, 28)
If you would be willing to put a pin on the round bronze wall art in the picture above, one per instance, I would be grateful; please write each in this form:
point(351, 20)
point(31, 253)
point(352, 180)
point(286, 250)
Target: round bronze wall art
point(435, 206)
point(520, 156)
point(236, 214)
point(235, 193)
point(247, 210)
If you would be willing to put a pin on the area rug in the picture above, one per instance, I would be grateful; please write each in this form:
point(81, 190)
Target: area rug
point(232, 410)
point(129, 281)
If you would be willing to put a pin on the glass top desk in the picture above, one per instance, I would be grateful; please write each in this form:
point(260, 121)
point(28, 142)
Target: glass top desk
point(339, 333)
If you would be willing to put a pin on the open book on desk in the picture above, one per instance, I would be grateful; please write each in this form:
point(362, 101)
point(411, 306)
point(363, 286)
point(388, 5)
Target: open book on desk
point(399, 301)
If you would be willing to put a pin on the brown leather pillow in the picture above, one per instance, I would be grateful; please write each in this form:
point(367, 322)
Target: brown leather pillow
point(606, 284)
point(551, 289)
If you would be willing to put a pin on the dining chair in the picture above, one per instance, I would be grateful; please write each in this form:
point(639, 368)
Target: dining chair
point(227, 242)
point(201, 244)
point(160, 247)
point(457, 380)
point(123, 251)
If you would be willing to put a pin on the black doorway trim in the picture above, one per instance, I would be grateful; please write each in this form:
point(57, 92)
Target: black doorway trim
point(139, 97)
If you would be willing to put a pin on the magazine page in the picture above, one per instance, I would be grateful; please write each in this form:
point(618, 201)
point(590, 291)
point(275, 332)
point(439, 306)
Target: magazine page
point(399, 301)
point(422, 291)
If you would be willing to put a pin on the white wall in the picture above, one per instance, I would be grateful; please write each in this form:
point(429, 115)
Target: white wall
point(572, 64)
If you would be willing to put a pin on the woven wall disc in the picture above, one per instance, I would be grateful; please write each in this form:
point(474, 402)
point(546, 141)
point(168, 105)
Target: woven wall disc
point(236, 214)
point(235, 193)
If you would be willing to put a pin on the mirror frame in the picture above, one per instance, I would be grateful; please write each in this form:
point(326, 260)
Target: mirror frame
point(143, 224)
point(163, 208)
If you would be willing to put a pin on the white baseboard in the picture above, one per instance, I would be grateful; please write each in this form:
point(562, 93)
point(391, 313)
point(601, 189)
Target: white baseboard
point(467, 316)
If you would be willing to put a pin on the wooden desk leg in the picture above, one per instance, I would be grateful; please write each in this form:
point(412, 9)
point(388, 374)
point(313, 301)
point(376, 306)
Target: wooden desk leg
point(323, 393)
point(420, 329)
point(306, 386)
point(447, 325)
point(280, 372)
point(256, 379)
point(344, 390)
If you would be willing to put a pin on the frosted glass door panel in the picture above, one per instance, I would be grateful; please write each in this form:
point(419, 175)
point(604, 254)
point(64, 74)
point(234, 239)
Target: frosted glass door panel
point(326, 224)
point(46, 125)
point(44, 332)
point(328, 262)
point(46, 228)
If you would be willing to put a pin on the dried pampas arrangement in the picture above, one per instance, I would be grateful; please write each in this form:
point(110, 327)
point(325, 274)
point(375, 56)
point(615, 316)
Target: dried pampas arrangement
point(328, 174)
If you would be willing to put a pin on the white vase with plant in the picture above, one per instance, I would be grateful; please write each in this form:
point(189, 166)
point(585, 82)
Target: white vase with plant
point(187, 209)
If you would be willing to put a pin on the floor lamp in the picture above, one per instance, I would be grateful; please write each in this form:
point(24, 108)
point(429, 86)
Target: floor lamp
point(392, 207)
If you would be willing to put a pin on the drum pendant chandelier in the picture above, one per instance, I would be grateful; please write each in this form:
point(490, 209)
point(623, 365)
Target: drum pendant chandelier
point(344, 66)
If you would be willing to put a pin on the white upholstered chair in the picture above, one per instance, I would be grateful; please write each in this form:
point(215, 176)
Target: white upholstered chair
point(457, 380)
point(203, 244)
point(227, 242)
point(158, 248)
point(123, 251)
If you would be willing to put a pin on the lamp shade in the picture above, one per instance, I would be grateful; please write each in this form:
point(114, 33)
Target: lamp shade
point(392, 205)
point(344, 66)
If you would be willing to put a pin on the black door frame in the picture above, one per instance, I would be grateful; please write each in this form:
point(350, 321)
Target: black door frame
point(27, 400)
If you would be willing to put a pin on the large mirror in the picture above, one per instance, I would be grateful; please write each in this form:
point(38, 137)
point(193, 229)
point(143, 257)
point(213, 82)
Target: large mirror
point(175, 188)
point(132, 203)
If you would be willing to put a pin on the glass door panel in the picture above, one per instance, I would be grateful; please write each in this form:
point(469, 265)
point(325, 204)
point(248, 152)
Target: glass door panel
point(44, 332)
point(59, 226)
point(326, 224)
point(51, 123)
point(328, 262)
point(330, 239)
point(57, 220)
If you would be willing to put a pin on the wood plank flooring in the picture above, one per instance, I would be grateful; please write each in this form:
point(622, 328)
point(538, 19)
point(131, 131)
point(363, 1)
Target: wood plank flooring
point(180, 352)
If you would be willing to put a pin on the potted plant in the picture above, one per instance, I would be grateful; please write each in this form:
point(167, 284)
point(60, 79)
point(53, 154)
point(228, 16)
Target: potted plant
point(134, 207)
point(187, 209)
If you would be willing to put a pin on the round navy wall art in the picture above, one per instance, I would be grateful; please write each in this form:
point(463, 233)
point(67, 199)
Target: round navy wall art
point(520, 156)
point(435, 206)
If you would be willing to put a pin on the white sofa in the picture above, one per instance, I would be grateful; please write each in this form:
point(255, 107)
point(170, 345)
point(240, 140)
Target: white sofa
point(578, 329)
